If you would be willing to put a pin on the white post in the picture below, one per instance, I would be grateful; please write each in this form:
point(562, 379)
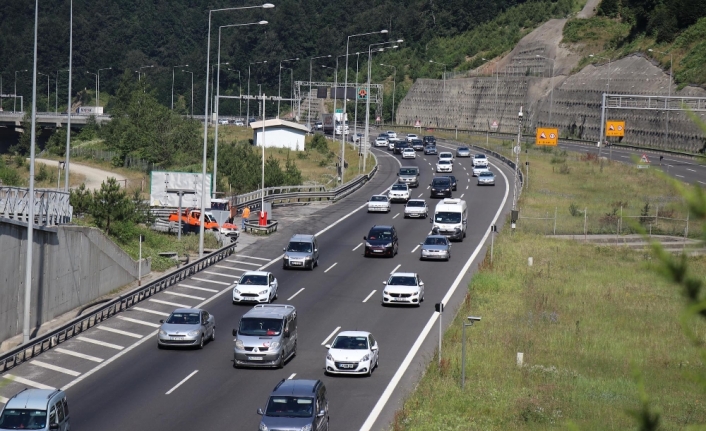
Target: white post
point(139, 263)
point(68, 109)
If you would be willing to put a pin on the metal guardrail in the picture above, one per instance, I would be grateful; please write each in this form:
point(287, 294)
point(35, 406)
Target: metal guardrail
point(50, 206)
point(80, 324)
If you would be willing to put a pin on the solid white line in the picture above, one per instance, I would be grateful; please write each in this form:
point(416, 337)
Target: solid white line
point(140, 322)
point(27, 382)
point(181, 383)
point(680, 176)
point(373, 416)
point(415, 248)
point(329, 268)
point(118, 331)
point(702, 183)
point(146, 310)
point(217, 273)
point(173, 304)
point(393, 271)
point(298, 292)
point(368, 297)
point(198, 288)
point(211, 281)
point(184, 295)
point(292, 376)
point(55, 368)
point(396, 215)
point(338, 328)
point(100, 343)
point(240, 261)
point(78, 355)
point(252, 257)
point(357, 247)
point(231, 267)
point(3, 400)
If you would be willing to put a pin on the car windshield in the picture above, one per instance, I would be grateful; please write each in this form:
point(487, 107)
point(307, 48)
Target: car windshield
point(254, 326)
point(441, 183)
point(380, 235)
point(486, 174)
point(399, 187)
point(452, 178)
point(415, 203)
point(408, 171)
point(431, 240)
point(444, 162)
point(183, 319)
point(299, 247)
point(446, 155)
point(417, 141)
point(378, 199)
point(399, 280)
point(447, 217)
point(258, 280)
point(290, 407)
point(350, 343)
point(480, 156)
point(408, 150)
point(23, 419)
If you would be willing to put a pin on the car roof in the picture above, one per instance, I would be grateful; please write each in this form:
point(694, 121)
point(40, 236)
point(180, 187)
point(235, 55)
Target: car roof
point(278, 311)
point(403, 274)
point(302, 237)
point(382, 227)
point(353, 334)
point(297, 388)
point(255, 273)
point(445, 178)
point(33, 399)
point(479, 156)
point(446, 152)
point(416, 200)
point(436, 236)
point(384, 196)
point(187, 310)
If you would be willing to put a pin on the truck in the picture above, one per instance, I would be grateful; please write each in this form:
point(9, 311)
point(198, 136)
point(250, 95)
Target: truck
point(328, 123)
point(191, 219)
point(89, 110)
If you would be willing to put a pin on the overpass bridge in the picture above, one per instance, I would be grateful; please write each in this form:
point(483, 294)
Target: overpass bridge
point(49, 119)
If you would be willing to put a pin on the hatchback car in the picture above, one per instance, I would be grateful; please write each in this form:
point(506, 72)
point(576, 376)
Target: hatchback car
point(417, 144)
point(480, 160)
point(255, 286)
point(454, 183)
point(380, 142)
point(430, 149)
point(381, 241)
point(409, 153)
point(435, 247)
point(399, 192)
point(440, 187)
point(301, 252)
point(411, 137)
point(379, 203)
point(463, 152)
point(352, 352)
point(404, 288)
point(477, 170)
point(416, 208)
point(444, 166)
point(445, 155)
point(391, 134)
point(296, 405)
point(486, 178)
point(187, 327)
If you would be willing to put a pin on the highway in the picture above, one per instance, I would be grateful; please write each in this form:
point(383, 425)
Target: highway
point(117, 379)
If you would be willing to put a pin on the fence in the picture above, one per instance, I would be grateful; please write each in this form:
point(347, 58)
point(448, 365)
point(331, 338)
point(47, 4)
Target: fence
point(110, 156)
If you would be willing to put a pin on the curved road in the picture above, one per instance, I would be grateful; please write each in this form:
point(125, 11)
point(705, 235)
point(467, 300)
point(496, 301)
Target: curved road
point(94, 177)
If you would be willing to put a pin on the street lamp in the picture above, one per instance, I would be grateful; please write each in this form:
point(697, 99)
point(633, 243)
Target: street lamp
point(248, 104)
point(47, 75)
point(551, 96)
point(280, 82)
point(308, 115)
point(602, 138)
point(68, 108)
point(471, 320)
point(98, 86)
point(394, 79)
point(14, 105)
point(205, 123)
point(139, 71)
point(192, 93)
point(174, 67)
point(666, 133)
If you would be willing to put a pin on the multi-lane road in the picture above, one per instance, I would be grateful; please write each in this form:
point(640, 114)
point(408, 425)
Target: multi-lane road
point(117, 379)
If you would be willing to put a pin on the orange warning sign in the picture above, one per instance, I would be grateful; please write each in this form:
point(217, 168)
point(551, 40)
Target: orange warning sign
point(644, 159)
point(547, 136)
point(615, 128)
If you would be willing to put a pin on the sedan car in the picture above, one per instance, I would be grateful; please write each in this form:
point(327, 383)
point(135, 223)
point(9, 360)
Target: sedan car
point(391, 144)
point(239, 123)
point(379, 203)
point(391, 134)
point(380, 141)
point(411, 137)
point(417, 144)
point(444, 166)
point(486, 178)
point(430, 149)
point(381, 241)
point(187, 327)
point(435, 247)
point(399, 192)
point(463, 152)
point(255, 286)
point(445, 155)
point(416, 208)
point(480, 160)
point(409, 153)
point(352, 352)
point(477, 170)
point(404, 288)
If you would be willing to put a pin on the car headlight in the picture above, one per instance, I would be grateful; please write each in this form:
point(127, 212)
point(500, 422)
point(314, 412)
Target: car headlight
point(385, 292)
point(286, 257)
point(365, 358)
point(329, 357)
point(236, 291)
point(274, 345)
point(239, 344)
point(262, 292)
point(306, 427)
point(192, 333)
point(388, 245)
point(367, 244)
point(162, 332)
point(307, 258)
point(415, 294)
point(263, 427)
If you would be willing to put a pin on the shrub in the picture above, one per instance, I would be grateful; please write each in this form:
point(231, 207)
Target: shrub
point(574, 210)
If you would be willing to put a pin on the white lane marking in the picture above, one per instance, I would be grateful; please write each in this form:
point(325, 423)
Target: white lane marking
point(464, 168)
point(670, 166)
point(338, 328)
point(3, 400)
point(119, 331)
point(140, 322)
point(55, 368)
point(625, 157)
point(100, 343)
point(469, 180)
point(415, 248)
point(198, 288)
point(252, 257)
point(688, 169)
point(216, 273)
point(232, 268)
point(371, 294)
point(240, 261)
point(182, 382)
point(292, 376)
point(331, 267)
point(428, 187)
point(373, 416)
point(396, 215)
point(466, 187)
point(462, 194)
point(27, 382)
point(78, 355)
point(211, 281)
point(702, 183)
point(680, 176)
point(420, 195)
point(393, 271)
point(184, 295)
point(173, 304)
point(147, 310)
point(357, 247)
point(298, 292)
point(429, 163)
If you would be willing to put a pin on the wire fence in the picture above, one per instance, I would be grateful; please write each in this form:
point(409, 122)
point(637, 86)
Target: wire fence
point(113, 157)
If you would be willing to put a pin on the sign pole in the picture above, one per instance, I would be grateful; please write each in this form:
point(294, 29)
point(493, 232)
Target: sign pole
point(139, 265)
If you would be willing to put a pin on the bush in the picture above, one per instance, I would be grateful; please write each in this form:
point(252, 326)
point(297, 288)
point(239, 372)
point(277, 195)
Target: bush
point(318, 143)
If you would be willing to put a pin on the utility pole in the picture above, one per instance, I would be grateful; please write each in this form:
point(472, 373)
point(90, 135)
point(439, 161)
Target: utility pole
point(517, 150)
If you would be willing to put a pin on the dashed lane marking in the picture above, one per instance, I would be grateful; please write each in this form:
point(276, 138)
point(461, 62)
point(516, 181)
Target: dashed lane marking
point(181, 382)
point(298, 292)
point(252, 257)
point(173, 304)
point(140, 322)
point(100, 343)
point(396, 215)
point(55, 368)
point(3, 400)
point(428, 187)
point(78, 355)
point(466, 187)
point(462, 194)
point(292, 376)
point(119, 331)
point(217, 273)
point(420, 195)
point(184, 295)
point(680, 176)
point(244, 263)
point(27, 382)
point(415, 248)
point(688, 169)
point(371, 294)
point(198, 288)
point(331, 267)
point(146, 310)
point(211, 281)
point(230, 267)
point(397, 267)
point(357, 247)
point(331, 335)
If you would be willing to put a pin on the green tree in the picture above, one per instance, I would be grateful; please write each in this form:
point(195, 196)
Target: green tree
point(80, 199)
point(292, 174)
point(273, 173)
point(111, 204)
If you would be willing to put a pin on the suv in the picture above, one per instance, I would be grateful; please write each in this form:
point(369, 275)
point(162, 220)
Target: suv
point(429, 140)
point(266, 336)
point(430, 149)
point(301, 252)
point(441, 187)
point(417, 144)
point(409, 175)
point(296, 405)
point(381, 241)
point(36, 409)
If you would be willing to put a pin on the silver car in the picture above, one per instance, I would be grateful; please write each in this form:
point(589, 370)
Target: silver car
point(187, 327)
point(435, 247)
point(486, 178)
point(379, 203)
point(463, 152)
point(416, 208)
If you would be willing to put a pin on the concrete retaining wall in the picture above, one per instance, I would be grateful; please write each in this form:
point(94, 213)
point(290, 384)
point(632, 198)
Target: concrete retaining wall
point(72, 267)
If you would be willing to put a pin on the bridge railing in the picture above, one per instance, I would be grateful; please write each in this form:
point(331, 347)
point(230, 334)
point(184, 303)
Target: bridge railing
point(51, 207)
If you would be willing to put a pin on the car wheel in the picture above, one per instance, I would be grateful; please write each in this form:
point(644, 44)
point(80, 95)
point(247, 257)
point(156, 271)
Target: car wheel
point(294, 352)
point(159, 346)
point(201, 342)
point(280, 363)
point(370, 372)
point(213, 334)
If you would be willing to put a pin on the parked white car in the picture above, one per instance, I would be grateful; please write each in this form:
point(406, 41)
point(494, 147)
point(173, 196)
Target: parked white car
point(352, 352)
point(416, 208)
point(445, 155)
point(404, 288)
point(399, 192)
point(444, 166)
point(478, 169)
point(411, 136)
point(409, 153)
point(255, 286)
point(379, 203)
point(480, 160)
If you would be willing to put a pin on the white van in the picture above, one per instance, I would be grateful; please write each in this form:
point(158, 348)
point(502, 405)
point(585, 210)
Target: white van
point(450, 219)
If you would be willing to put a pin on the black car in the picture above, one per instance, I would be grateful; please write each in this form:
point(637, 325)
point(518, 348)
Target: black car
point(417, 144)
point(400, 146)
point(453, 181)
point(430, 149)
point(381, 241)
point(429, 140)
point(440, 187)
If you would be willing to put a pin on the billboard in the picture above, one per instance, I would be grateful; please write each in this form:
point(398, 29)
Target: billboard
point(321, 92)
point(615, 128)
point(547, 136)
point(161, 181)
point(90, 110)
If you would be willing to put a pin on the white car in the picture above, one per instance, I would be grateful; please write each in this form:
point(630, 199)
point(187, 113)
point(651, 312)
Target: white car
point(239, 123)
point(399, 192)
point(478, 169)
point(445, 155)
point(255, 286)
point(444, 166)
point(480, 160)
point(403, 288)
point(409, 153)
point(411, 136)
point(380, 141)
point(391, 144)
point(379, 203)
point(391, 134)
point(416, 208)
point(352, 352)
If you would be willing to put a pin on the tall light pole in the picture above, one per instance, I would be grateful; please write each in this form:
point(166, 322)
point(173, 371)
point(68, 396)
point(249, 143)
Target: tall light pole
point(192, 93)
point(443, 97)
point(140, 72)
point(47, 75)
point(247, 121)
point(600, 146)
point(217, 104)
point(551, 80)
point(205, 123)
point(355, 110)
point(174, 67)
point(666, 110)
point(280, 82)
point(1, 73)
point(68, 109)
point(98, 86)
point(14, 105)
point(394, 79)
point(240, 93)
point(308, 114)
